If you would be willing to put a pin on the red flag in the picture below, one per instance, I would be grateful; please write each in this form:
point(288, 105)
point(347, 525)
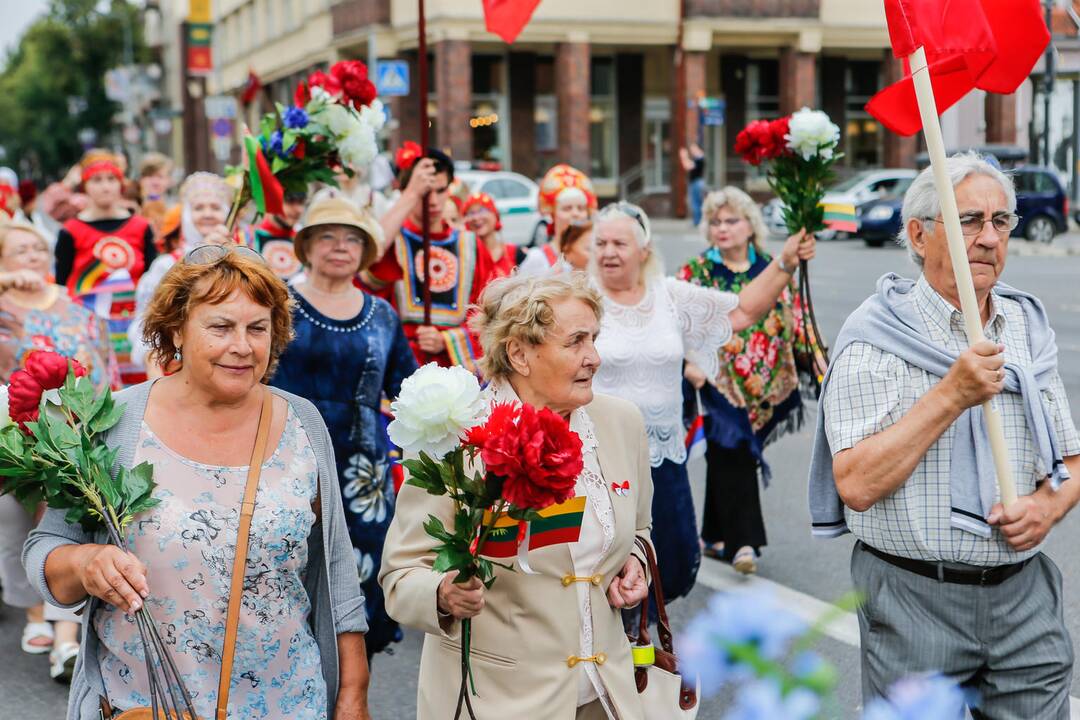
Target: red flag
point(507, 18)
point(986, 44)
point(251, 88)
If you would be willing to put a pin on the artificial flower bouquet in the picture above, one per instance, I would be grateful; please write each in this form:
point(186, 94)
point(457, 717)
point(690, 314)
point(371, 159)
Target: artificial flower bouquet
point(499, 469)
point(333, 121)
point(52, 423)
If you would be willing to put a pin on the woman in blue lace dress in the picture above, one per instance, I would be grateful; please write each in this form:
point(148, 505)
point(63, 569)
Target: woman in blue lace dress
point(348, 352)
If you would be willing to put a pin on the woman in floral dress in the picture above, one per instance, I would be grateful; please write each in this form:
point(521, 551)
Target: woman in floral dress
point(754, 399)
point(348, 352)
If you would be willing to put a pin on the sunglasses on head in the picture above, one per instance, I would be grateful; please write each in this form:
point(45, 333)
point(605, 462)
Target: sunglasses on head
point(210, 254)
point(633, 211)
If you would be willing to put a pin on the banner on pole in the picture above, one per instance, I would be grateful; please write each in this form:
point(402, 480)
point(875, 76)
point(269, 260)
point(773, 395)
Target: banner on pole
point(199, 52)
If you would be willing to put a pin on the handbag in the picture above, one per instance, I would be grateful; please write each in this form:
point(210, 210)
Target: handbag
point(236, 589)
point(662, 689)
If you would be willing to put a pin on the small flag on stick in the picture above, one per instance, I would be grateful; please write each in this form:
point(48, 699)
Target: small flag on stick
point(266, 191)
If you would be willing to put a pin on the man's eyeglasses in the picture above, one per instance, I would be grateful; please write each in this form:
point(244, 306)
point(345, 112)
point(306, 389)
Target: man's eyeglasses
point(210, 254)
point(971, 225)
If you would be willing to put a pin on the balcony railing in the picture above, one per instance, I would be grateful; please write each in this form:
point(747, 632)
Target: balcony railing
point(353, 15)
point(753, 8)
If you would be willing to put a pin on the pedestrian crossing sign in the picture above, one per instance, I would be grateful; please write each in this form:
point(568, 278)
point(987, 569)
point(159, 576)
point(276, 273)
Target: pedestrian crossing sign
point(392, 77)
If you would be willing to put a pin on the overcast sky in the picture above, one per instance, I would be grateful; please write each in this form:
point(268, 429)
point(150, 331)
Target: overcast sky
point(17, 14)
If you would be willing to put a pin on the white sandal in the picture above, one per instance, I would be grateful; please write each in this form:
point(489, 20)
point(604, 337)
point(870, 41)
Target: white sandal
point(34, 630)
point(62, 661)
point(744, 560)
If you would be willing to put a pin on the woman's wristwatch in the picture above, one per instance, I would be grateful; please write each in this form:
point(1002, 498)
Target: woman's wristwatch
point(784, 268)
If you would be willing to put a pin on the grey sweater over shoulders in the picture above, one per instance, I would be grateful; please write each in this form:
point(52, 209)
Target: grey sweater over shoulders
point(332, 581)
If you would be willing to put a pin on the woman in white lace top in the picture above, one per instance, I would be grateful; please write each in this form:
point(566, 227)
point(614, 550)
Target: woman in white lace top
point(650, 324)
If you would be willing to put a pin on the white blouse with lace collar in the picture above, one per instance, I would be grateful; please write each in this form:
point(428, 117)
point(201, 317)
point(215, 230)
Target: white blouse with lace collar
point(642, 349)
point(594, 544)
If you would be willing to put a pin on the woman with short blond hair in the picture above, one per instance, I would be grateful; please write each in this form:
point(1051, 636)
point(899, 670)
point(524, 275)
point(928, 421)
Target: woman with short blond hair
point(558, 621)
point(224, 317)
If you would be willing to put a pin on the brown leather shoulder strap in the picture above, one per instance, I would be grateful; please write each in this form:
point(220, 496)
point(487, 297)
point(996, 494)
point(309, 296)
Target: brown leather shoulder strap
point(243, 532)
point(663, 627)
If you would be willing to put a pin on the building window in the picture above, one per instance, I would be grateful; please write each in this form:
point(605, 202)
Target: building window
point(490, 115)
point(864, 138)
point(762, 90)
point(547, 124)
point(603, 129)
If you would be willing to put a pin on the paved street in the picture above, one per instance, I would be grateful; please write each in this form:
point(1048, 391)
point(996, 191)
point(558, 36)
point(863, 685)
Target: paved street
point(804, 573)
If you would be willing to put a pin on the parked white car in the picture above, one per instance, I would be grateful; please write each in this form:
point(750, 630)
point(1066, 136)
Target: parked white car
point(856, 190)
point(515, 196)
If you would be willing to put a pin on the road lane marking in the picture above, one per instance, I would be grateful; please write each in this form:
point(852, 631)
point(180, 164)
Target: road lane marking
point(845, 628)
point(721, 576)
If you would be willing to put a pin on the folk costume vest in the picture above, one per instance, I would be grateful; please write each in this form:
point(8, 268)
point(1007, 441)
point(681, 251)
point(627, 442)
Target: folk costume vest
point(276, 245)
point(453, 272)
point(103, 277)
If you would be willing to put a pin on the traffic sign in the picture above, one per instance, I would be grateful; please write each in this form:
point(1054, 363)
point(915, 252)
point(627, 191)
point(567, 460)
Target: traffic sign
point(392, 77)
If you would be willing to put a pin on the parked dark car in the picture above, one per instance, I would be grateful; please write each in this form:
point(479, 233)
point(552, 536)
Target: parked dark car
point(1041, 203)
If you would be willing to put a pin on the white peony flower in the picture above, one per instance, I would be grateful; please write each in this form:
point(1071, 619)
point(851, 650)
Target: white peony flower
point(812, 133)
point(359, 147)
point(435, 407)
point(338, 119)
point(373, 115)
point(5, 414)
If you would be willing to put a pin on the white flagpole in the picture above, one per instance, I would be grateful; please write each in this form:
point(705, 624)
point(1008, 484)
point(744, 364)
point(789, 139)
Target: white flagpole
point(958, 253)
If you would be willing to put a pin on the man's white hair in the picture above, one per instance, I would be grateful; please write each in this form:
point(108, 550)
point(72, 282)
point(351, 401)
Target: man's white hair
point(921, 199)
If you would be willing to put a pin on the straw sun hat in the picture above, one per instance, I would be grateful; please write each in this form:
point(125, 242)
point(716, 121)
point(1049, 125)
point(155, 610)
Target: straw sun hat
point(339, 211)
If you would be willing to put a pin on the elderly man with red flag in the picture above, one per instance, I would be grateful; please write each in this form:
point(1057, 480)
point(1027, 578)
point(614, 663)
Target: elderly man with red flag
point(945, 442)
point(460, 266)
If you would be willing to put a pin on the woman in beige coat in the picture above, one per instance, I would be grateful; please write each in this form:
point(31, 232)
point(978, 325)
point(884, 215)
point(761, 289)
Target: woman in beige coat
point(547, 639)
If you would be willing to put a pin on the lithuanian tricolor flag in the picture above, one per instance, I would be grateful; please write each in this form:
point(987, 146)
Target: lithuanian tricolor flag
point(266, 191)
point(557, 525)
point(841, 217)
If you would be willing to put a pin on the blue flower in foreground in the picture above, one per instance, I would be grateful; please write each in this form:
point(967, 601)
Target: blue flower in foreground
point(748, 618)
point(762, 701)
point(295, 118)
point(927, 697)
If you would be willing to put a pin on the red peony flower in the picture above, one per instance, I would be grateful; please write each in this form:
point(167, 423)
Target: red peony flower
point(302, 95)
point(329, 83)
point(779, 129)
point(536, 454)
point(42, 371)
point(499, 421)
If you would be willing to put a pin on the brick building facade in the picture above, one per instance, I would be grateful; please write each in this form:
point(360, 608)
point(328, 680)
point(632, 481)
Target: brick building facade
point(598, 83)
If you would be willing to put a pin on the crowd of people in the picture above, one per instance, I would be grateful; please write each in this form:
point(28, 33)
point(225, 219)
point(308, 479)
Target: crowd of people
point(324, 304)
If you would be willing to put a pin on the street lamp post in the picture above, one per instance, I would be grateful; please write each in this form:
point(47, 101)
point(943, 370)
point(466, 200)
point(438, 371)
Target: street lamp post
point(1048, 81)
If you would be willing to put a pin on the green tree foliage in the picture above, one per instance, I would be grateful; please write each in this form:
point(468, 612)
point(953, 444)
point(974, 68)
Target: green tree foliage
point(62, 56)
